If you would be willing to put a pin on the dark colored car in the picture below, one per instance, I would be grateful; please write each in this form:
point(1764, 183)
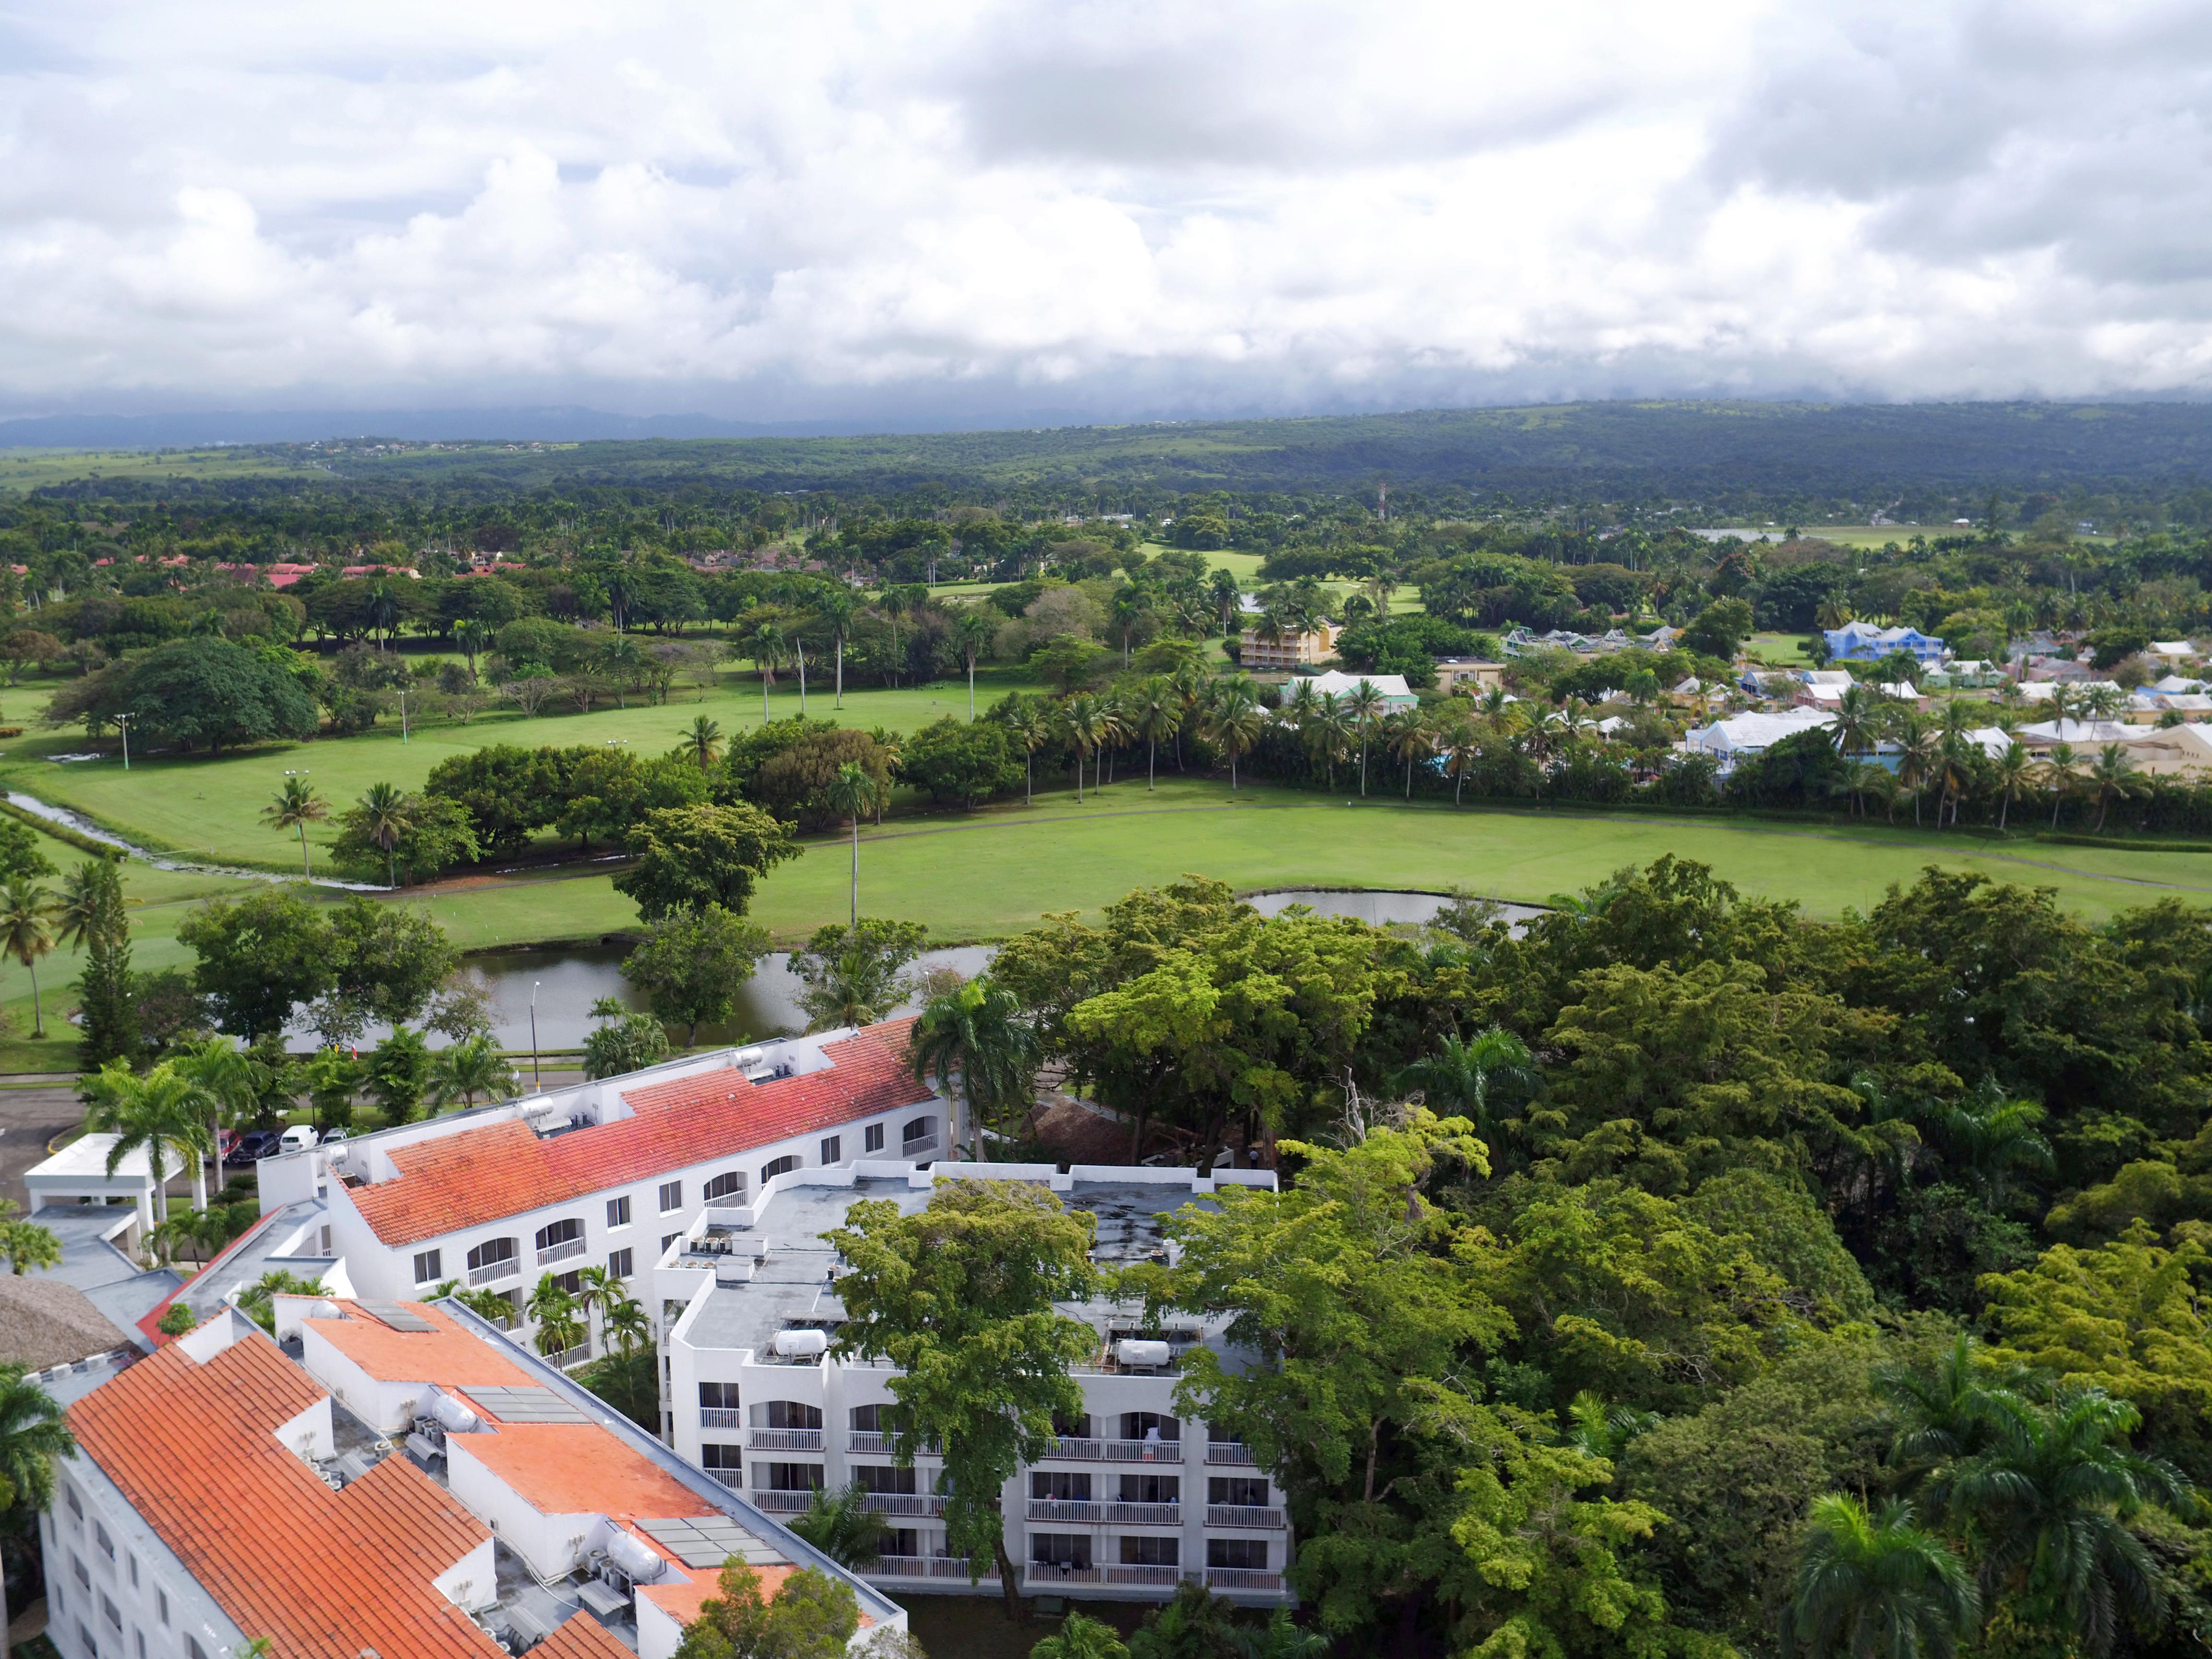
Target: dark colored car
point(252, 1146)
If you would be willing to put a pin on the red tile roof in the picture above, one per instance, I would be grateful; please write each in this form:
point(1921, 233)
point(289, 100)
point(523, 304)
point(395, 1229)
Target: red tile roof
point(481, 1175)
point(579, 1469)
point(322, 1574)
point(447, 1355)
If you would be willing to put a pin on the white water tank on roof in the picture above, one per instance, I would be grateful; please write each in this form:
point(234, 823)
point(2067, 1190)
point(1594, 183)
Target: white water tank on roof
point(634, 1558)
point(1135, 1351)
point(806, 1344)
point(456, 1418)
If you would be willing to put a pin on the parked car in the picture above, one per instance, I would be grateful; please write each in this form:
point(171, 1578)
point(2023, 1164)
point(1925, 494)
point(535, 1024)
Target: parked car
point(297, 1138)
point(334, 1136)
point(250, 1146)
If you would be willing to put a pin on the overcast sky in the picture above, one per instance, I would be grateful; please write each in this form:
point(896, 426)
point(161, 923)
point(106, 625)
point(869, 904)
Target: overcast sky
point(974, 212)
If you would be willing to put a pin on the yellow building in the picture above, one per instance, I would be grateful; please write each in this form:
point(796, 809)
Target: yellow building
point(1291, 651)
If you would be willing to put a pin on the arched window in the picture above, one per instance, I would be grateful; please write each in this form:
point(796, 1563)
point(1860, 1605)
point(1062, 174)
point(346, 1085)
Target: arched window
point(728, 1184)
point(781, 1166)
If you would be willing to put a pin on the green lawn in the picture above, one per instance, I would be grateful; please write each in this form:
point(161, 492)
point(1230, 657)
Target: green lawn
point(29, 469)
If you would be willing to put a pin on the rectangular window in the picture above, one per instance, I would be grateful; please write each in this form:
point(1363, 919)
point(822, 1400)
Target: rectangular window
point(99, 1537)
point(429, 1267)
point(1151, 1489)
point(1250, 1553)
point(134, 1570)
point(666, 1239)
point(872, 1138)
point(730, 1183)
point(713, 1455)
point(1060, 1485)
point(141, 1635)
point(787, 1415)
point(780, 1166)
point(671, 1196)
point(718, 1396)
point(76, 1507)
point(833, 1149)
point(77, 1566)
point(881, 1476)
point(1071, 1428)
point(619, 1263)
point(161, 1605)
point(619, 1212)
point(1151, 1552)
point(1237, 1492)
point(111, 1612)
point(84, 1638)
point(1150, 1425)
point(898, 1540)
point(1069, 1551)
point(787, 1477)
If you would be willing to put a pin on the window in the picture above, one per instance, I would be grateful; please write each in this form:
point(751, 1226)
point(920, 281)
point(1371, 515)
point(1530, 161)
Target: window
point(618, 1212)
point(1068, 1550)
point(492, 1253)
point(872, 1138)
point(141, 1635)
point(833, 1149)
point(99, 1537)
point(1151, 1552)
point(1150, 1425)
point(566, 1230)
point(134, 1571)
point(729, 1183)
point(920, 1129)
point(1237, 1492)
point(1071, 1428)
point(1060, 1485)
point(898, 1540)
point(1250, 1553)
point(429, 1267)
point(620, 1263)
point(881, 1477)
point(715, 1456)
point(788, 1477)
point(567, 1284)
point(666, 1239)
point(161, 1605)
point(1151, 1489)
point(671, 1196)
point(787, 1415)
point(781, 1166)
point(76, 1504)
point(112, 1614)
point(84, 1636)
point(869, 1420)
point(193, 1650)
point(77, 1566)
point(718, 1396)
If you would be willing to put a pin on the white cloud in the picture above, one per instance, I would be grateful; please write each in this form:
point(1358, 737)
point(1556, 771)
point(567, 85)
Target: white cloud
point(1157, 206)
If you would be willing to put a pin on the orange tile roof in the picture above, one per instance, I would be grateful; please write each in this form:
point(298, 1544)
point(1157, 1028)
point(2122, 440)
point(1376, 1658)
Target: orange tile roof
point(481, 1175)
point(577, 1469)
point(682, 1602)
point(322, 1574)
point(448, 1356)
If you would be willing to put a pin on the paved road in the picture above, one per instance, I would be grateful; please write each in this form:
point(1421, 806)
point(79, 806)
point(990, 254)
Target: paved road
point(29, 1118)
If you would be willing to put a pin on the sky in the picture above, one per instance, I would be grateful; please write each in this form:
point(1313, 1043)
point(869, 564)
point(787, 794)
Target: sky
point(999, 211)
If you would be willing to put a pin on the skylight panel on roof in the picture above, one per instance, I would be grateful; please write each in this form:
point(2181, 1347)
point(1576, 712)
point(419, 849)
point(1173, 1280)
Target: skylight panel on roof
point(398, 1318)
point(526, 1405)
point(709, 1541)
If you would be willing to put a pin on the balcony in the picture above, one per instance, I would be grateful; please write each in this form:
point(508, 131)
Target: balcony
point(730, 1478)
point(553, 1252)
point(782, 1503)
point(1142, 1451)
point(1069, 1446)
point(1046, 1573)
point(568, 1357)
point(1241, 1578)
point(903, 1502)
point(956, 1566)
point(1130, 1515)
point(1237, 1515)
point(925, 1147)
point(867, 1440)
point(1065, 1509)
point(494, 1270)
point(1229, 1451)
point(898, 1566)
point(1146, 1515)
point(1116, 1574)
point(720, 1417)
point(784, 1439)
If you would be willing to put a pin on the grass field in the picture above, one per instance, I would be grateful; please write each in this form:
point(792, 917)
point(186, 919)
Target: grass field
point(29, 469)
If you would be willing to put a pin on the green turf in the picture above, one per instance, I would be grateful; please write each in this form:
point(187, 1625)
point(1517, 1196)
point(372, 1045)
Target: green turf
point(30, 469)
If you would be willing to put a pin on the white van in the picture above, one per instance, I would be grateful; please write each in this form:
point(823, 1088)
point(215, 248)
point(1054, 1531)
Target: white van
point(297, 1138)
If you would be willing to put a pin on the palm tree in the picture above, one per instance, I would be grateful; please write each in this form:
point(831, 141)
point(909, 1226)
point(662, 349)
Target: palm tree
point(849, 795)
point(1990, 1136)
point(973, 632)
point(231, 1078)
point(1026, 719)
point(1877, 1587)
point(560, 1322)
point(1327, 732)
point(1408, 735)
point(1191, 683)
point(83, 909)
point(33, 1435)
point(161, 1113)
point(2014, 767)
point(1154, 711)
point(470, 1067)
point(1226, 593)
point(976, 1033)
point(472, 635)
point(26, 933)
point(703, 742)
point(1362, 703)
point(1462, 749)
point(623, 662)
point(1234, 720)
point(842, 1527)
point(1088, 725)
point(625, 1325)
point(1458, 1078)
point(2112, 776)
point(836, 605)
point(1858, 720)
point(2058, 776)
point(769, 647)
point(1917, 754)
point(385, 816)
point(295, 807)
point(2103, 702)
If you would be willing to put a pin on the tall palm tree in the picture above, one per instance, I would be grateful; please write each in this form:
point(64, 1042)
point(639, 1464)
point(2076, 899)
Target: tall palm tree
point(1226, 593)
point(1858, 720)
point(976, 1034)
point(1877, 1587)
point(849, 795)
point(385, 816)
point(1088, 725)
point(469, 1067)
point(33, 1435)
point(161, 1114)
point(471, 636)
point(1191, 683)
point(1409, 737)
point(1026, 719)
point(1234, 720)
point(1462, 747)
point(1327, 732)
point(2016, 768)
point(2113, 777)
point(1988, 1136)
point(232, 1079)
point(2103, 702)
point(973, 632)
point(26, 933)
point(626, 1326)
point(702, 742)
point(2058, 776)
point(295, 807)
point(561, 1323)
point(1918, 753)
point(769, 645)
point(1362, 704)
point(1154, 711)
point(837, 605)
point(1458, 1078)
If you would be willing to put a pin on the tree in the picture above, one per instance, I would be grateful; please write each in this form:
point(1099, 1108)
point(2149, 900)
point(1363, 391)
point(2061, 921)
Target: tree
point(160, 1113)
point(468, 1068)
point(1028, 722)
point(702, 742)
point(1089, 725)
point(199, 691)
point(91, 913)
point(236, 1083)
point(842, 1527)
point(691, 963)
point(851, 793)
point(1877, 1587)
point(2057, 772)
point(2113, 777)
point(561, 1323)
point(623, 1041)
point(388, 959)
point(976, 1034)
point(33, 1435)
point(259, 957)
point(26, 934)
point(854, 975)
point(28, 1245)
point(295, 807)
point(1719, 628)
point(1455, 1080)
point(378, 819)
point(813, 1615)
point(695, 858)
point(398, 1075)
point(1234, 720)
point(972, 632)
point(960, 763)
point(960, 1297)
point(1080, 1637)
point(331, 1077)
point(1363, 705)
point(1154, 711)
point(1192, 1624)
point(507, 792)
point(1408, 737)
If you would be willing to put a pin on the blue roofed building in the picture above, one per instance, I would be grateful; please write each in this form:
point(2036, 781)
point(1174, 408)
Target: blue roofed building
point(1859, 641)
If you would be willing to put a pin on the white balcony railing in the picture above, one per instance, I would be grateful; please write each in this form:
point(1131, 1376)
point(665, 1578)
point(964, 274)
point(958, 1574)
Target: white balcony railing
point(870, 1440)
point(492, 1270)
point(1047, 1572)
point(784, 1439)
point(956, 1566)
point(1241, 1578)
point(720, 1417)
point(553, 1252)
point(1239, 1515)
point(1065, 1509)
point(899, 1567)
point(1072, 1446)
point(782, 1503)
point(730, 1478)
point(1146, 1515)
point(903, 1502)
point(925, 1147)
point(1228, 1451)
point(1142, 1451)
point(568, 1357)
point(1120, 1574)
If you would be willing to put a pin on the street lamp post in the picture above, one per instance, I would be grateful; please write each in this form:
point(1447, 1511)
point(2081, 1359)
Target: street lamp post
point(124, 722)
point(537, 1087)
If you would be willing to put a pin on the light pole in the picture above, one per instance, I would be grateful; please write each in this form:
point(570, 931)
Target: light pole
point(124, 722)
point(535, 1086)
point(402, 715)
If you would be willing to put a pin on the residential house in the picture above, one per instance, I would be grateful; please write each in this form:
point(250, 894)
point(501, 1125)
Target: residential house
point(1396, 694)
point(1859, 641)
point(1732, 740)
point(1473, 675)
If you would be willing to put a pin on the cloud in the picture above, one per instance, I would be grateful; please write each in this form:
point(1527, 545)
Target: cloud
point(985, 208)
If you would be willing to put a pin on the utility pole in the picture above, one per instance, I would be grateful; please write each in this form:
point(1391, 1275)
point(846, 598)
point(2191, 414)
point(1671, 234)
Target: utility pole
point(124, 722)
